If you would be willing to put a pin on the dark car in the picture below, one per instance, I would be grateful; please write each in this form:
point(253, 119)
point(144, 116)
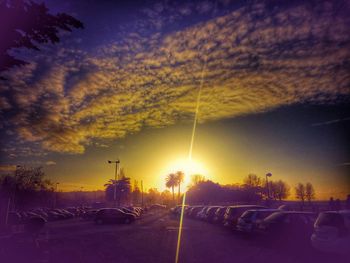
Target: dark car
point(332, 232)
point(88, 214)
point(202, 213)
point(210, 214)
point(194, 211)
point(113, 215)
point(232, 213)
point(251, 219)
point(219, 215)
point(176, 211)
point(131, 210)
point(288, 226)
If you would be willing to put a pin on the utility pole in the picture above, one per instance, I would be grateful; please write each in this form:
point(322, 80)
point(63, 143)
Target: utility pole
point(141, 193)
point(116, 178)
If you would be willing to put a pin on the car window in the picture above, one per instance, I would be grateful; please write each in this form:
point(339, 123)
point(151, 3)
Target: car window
point(275, 217)
point(262, 215)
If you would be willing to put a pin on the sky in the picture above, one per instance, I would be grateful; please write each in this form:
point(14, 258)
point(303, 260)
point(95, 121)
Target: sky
point(275, 94)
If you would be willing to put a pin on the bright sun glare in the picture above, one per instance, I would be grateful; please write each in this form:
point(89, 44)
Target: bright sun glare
point(189, 167)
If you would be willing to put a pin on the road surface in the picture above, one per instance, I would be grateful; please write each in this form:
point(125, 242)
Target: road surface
point(151, 239)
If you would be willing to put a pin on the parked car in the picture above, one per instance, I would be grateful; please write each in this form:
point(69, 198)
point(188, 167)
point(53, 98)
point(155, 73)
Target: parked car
point(219, 215)
point(130, 211)
point(294, 227)
point(249, 221)
point(210, 214)
point(88, 214)
point(202, 213)
point(176, 211)
point(113, 215)
point(194, 211)
point(232, 213)
point(332, 232)
point(54, 216)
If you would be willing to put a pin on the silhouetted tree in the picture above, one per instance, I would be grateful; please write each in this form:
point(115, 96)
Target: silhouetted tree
point(166, 197)
point(180, 176)
point(252, 180)
point(300, 192)
point(27, 24)
point(27, 187)
point(205, 192)
point(171, 182)
point(136, 193)
point(122, 186)
point(153, 196)
point(279, 190)
point(252, 185)
point(197, 178)
point(309, 192)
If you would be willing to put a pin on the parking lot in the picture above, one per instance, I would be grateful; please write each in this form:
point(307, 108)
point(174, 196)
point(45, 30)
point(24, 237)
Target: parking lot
point(152, 238)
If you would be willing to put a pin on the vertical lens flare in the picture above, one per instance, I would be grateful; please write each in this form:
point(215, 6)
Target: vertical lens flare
point(197, 110)
point(192, 141)
point(180, 229)
point(190, 157)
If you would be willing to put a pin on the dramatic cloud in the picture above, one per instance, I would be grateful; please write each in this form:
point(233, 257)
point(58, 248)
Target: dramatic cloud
point(251, 59)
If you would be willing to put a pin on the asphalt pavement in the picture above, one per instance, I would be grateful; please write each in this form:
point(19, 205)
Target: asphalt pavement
point(150, 239)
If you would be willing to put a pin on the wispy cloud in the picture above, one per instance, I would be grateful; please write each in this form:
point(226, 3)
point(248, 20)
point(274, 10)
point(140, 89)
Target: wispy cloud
point(330, 122)
point(258, 59)
point(50, 163)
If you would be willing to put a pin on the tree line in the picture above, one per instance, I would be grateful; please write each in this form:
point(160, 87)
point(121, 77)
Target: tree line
point(28, 186)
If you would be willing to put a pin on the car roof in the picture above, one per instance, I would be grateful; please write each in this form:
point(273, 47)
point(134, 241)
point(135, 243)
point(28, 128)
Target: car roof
point(244, 206)
point(346, 212)
point(109, 208)
point(264, 210)
point(297, 212)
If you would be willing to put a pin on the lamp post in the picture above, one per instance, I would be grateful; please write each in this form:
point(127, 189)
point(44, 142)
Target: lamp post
point(267, 184)
point(116, 177)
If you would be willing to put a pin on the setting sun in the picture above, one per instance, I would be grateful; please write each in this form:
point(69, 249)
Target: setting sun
point(189, 167)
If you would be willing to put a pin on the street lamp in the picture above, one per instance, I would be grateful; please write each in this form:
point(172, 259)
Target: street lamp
point(116, 177)
point(267, 185)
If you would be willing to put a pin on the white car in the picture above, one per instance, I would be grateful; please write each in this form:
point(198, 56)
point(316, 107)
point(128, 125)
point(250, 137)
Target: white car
point(332, 232)
point(250, 219)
